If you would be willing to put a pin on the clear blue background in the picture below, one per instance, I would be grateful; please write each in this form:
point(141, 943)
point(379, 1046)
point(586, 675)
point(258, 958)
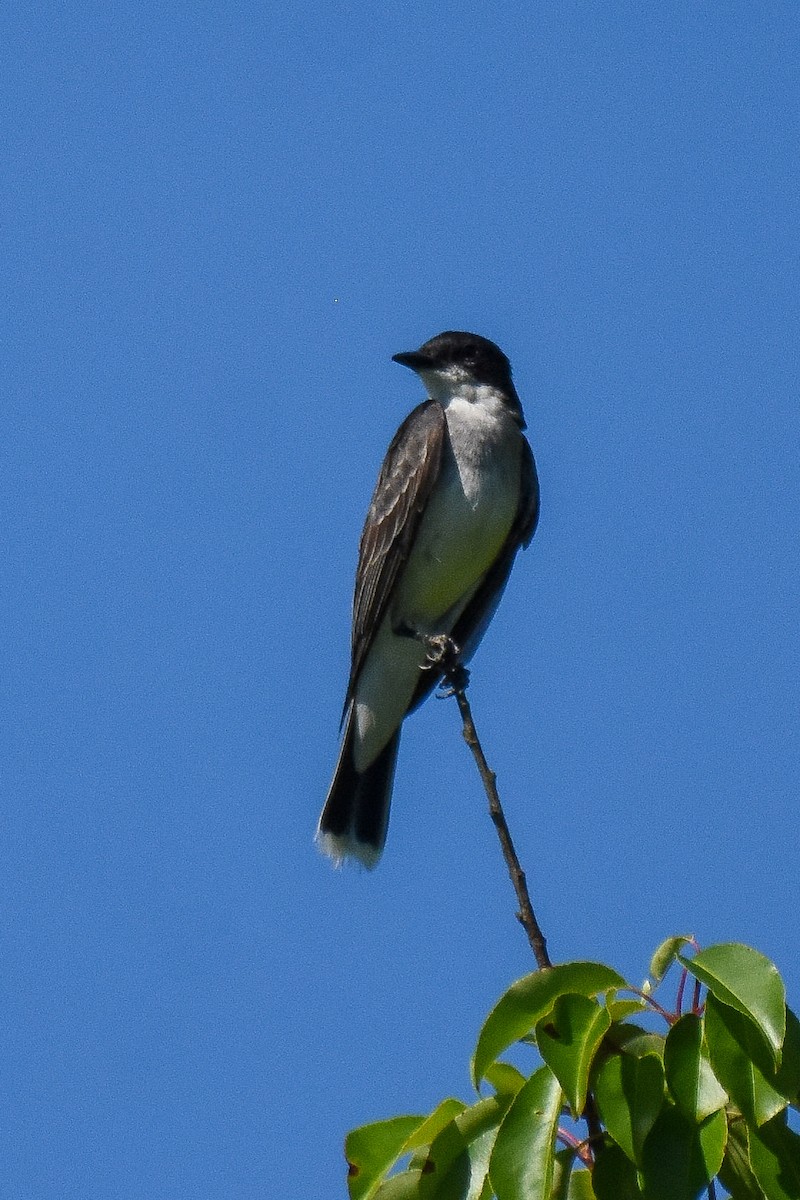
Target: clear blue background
point(219, 223)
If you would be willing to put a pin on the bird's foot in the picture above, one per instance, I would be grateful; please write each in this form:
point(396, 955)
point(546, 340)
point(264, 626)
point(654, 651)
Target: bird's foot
point(443, 655)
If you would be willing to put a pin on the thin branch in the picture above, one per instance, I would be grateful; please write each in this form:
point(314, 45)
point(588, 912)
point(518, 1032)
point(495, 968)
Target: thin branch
point(443, 654)
point(669, 1017)
point(679, 998)
point(696, 1005)
point(581, 1148)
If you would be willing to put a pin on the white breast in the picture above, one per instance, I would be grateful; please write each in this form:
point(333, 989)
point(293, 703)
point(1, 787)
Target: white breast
point(467, 520)
point(469, 514)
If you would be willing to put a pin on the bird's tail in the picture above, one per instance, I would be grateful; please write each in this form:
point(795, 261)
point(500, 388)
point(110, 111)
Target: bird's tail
point(356, 813)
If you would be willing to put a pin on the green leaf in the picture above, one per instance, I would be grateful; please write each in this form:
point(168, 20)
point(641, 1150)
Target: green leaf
point(522, 1161)
point(618, 1010)
point(505, 1079)
point(630, 1094)
point(568, 1039)
point(404, 1186)
point(747, 981)
point(690, 1079)
point(681, 1157)
point(775, 1157)
point(570, 1182)
point(532, 998)
point(580, 1186)
point(736, 1173)
point(730, 1040)
point(752, 1042)
point(637, 1042)
point(449, 1167)
point(372, 1149)
point(563, 1162)
point(442, 1115)
point(480, 1153)
point(787, 1080)
point(615, 1177)
point(666, 954)
point(466, 1177)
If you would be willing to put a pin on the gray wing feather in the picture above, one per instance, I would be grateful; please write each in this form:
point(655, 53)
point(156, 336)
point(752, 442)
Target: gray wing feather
point(528, 511)
point(407, 476)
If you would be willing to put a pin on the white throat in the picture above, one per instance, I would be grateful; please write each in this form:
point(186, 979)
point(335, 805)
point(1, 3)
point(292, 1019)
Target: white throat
point(454, 383)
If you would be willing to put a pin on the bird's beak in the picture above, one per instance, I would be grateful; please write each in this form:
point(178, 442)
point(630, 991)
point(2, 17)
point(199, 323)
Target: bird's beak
point(414, 359)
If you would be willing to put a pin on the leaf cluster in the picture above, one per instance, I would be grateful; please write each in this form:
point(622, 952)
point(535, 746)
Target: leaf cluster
point(615, 1110)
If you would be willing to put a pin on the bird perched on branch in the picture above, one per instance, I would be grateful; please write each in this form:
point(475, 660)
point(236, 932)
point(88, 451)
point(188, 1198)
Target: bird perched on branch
point(456, 498)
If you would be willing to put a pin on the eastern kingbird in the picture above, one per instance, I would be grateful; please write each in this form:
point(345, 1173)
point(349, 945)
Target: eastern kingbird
point(456, 497)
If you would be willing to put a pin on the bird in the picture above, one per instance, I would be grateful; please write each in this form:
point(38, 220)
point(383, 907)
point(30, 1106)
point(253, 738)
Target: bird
point(457, 496)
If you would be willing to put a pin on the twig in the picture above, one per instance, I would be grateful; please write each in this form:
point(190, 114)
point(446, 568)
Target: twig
point(581, 1148)
point(679, 997)
point(669, 1017)
point(443, 653)
point(696, 1005)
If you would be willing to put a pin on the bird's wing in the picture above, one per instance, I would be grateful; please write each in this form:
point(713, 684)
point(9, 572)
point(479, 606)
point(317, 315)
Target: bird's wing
point(528, 512)
point(407, 476)
point(473, 622)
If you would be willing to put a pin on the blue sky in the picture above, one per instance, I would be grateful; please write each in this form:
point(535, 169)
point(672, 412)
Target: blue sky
point(219, 224)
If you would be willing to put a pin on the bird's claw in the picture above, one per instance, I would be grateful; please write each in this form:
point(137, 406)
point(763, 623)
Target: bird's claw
point(442, 654)
point(440, 650)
